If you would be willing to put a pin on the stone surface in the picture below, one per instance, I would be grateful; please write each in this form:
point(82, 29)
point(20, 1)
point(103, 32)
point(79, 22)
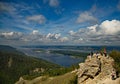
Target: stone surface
point(95, 70)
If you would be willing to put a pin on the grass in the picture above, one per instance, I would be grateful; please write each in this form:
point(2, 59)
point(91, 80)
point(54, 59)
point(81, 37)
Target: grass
point(68, 78)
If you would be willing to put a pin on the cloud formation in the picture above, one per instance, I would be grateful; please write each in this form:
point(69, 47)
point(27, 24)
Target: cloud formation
point(71, 32)
point(37, 18)
point(110, 27)
point(53, 36)
point(11, 35)
point(64, 39)
point(86, 17)
point(34, 32)
point(106, 32)
point(5, 7)
point(32, 38)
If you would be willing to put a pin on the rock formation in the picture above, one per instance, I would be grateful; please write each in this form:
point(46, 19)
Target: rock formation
point(95, 70)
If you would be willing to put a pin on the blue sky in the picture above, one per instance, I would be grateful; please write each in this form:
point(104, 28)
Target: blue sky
point(60, 22)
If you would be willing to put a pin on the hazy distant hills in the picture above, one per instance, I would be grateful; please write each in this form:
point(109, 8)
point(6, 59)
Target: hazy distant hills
point(14, 64)
point(74, 47)
point(6, 48)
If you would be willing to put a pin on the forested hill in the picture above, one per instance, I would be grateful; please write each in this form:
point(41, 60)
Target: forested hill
point(6, 48)
point(14, 64)
point(9, 49)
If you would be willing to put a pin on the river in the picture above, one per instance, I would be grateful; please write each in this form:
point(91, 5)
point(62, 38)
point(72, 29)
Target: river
point(63, 60)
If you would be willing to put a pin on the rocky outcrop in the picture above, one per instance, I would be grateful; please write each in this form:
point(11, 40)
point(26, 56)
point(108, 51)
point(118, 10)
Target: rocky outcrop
point(95, 69)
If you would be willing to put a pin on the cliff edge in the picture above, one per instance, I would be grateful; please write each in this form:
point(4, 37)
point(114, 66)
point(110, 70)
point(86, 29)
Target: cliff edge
point(97, 69)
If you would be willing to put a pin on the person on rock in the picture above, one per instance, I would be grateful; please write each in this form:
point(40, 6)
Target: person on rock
point(89, 56)
point(97, 54)
point(113, 75)
point(91, 53)
point(105, 52)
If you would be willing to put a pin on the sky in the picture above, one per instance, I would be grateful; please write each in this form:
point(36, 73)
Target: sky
point(59, 22)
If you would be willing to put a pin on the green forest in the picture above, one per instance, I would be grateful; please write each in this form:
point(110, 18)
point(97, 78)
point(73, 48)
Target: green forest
point(14, 64)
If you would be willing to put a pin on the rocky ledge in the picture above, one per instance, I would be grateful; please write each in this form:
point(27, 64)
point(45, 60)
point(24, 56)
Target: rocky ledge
point(97, 69)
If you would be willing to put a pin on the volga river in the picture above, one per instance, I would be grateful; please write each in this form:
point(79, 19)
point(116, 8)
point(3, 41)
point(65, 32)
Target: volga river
point(63, 60)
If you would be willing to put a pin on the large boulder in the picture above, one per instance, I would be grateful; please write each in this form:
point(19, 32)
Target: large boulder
point(95, 69)
point(89, 69)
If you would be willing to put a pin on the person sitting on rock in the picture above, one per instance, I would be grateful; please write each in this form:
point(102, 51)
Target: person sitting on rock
point(113, 75)
point(105, 53)
point(97, 54)
point(89, 56)
point(91, 53)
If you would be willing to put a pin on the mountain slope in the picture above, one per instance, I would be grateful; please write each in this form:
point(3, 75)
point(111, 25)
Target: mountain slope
point(14, 64)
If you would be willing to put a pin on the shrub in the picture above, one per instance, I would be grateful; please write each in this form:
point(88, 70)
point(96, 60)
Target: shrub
point(116, 56)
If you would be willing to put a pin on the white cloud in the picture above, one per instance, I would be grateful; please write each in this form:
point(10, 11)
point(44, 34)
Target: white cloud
point(53, 3)
point(93, 28)
point(59, 11)
point(57, 35)
point(86, 17)
point(106, 32)
point(7, 7)
point(11, 35)
point(34, 32)
point(37, 18)
point(49, 35)
point(71, 32)
point(53, 36)
point(8, 33)
point(110, 27)
point(105, 28)
point(64, 39)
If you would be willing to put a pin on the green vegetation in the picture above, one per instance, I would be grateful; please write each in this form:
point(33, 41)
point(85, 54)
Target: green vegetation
point(61, 71)
point(14, 64)
point(116, 56)
point(70, 53)
point(51, 72)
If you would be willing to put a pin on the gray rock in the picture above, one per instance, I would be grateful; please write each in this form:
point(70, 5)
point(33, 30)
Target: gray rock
point(94, 67)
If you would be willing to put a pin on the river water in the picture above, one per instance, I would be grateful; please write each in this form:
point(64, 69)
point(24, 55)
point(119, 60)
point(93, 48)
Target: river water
point(63, 60)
